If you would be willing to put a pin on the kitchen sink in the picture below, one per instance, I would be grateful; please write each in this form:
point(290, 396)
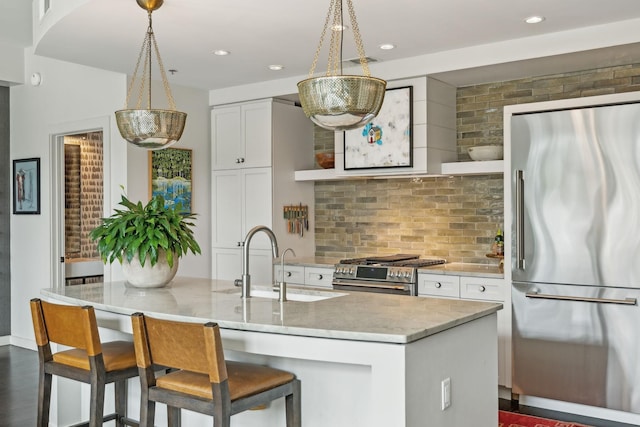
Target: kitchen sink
point(300, 295)
point(297, 295)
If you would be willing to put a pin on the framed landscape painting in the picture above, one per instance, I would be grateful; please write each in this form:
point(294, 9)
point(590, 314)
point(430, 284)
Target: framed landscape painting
point(26, 186)
point(386, 141)
point(170, 176)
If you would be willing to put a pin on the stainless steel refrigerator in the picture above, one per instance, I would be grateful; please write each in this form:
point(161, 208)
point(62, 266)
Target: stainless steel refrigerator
point(575, 181)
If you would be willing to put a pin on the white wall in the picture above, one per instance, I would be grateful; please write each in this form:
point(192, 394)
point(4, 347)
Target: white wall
point(71, 95)
point(68, 93)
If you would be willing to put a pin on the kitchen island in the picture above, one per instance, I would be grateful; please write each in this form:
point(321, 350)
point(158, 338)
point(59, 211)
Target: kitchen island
point(364, 359)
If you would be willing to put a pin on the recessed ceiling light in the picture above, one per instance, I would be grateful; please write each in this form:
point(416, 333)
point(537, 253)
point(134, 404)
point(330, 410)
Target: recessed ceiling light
point(534, 19)
point(387, 46)
point(276, 67)
point(221, 52)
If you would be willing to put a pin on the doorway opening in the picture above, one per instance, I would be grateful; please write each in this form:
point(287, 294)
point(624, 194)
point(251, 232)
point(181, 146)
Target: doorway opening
point(83, 206)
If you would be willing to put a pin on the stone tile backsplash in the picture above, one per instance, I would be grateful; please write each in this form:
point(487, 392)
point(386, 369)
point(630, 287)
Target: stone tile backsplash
point(455, 218)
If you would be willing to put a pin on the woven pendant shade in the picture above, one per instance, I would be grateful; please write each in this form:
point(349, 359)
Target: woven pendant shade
point(341, 102)
point(150, 128)
point(336, 101)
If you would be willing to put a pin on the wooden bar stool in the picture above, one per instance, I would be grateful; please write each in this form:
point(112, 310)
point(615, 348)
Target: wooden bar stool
point(90, 361)
point(203, 382)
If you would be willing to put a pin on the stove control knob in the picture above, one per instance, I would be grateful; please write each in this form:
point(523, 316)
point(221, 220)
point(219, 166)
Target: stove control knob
point(352, 271)
point(392, 273)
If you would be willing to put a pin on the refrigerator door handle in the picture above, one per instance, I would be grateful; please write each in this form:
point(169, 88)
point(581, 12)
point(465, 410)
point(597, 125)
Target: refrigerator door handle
point(626, 301)
point(520, 265)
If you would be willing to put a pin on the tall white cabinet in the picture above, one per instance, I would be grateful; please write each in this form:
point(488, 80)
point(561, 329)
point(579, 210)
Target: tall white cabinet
point(256, 147)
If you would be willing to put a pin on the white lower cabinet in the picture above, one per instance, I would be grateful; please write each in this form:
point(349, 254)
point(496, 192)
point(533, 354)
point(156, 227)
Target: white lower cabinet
point(480, 289)
point(318, 277)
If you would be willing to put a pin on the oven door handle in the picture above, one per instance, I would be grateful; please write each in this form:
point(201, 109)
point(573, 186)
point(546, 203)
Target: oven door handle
point(356, 284)
point(626, 301)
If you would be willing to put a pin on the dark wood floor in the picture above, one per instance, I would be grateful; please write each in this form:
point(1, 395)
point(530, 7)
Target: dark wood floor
point(18, 386)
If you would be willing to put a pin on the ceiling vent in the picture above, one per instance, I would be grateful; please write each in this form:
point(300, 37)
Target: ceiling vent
point(356, 61)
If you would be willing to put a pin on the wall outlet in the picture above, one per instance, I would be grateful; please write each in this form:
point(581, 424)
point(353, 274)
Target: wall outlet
point(446, 393)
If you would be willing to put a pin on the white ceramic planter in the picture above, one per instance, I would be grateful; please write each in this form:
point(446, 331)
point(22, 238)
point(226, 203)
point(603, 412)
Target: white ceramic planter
point(150, 277)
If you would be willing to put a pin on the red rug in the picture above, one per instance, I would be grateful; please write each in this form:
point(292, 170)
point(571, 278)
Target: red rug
point(512, 419)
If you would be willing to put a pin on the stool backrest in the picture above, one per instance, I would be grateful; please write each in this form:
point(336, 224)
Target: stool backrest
point(190, 346)
point(72, 326)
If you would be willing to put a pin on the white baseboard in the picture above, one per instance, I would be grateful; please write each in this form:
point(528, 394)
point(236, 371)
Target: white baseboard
point(6, 340)
point(29, 344)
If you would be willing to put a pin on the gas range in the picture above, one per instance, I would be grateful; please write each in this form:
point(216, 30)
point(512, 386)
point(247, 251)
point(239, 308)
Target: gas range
point(393, 274)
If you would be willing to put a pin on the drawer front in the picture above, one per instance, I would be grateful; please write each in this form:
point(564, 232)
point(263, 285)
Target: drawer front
point(482, 288)
point(439, 285)
point(293, 274)
point(320, 277)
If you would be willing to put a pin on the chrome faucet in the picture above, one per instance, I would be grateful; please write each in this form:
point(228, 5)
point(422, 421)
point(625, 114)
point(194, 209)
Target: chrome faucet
point(281, 286)
point(246, 278)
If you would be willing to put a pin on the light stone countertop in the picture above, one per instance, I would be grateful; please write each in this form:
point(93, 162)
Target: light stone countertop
point(454, 268)
point(358, 316)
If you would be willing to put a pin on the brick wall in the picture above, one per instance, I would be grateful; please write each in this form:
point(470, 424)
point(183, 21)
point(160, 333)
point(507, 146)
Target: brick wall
point(83, 193)
point(457, 217)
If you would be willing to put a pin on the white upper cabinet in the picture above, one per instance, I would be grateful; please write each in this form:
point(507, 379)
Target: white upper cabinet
point(241, 135)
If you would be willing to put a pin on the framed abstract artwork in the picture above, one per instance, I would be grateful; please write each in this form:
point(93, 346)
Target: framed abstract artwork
point(26, 186)
point(170, 175)
point(386, 141)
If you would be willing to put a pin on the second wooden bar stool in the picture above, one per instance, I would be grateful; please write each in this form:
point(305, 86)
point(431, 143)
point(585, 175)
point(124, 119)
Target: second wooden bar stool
point(204, 382)
point(90, 361)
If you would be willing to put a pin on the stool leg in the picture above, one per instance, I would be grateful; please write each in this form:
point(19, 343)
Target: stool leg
point(293, 406)
point(44, 398)
point(96, 405)
point(173, 416)
point(121, 401)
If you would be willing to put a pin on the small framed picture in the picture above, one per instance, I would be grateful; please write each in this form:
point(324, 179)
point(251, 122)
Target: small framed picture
point(26, 186)
point(387, 141)
point(170, 176)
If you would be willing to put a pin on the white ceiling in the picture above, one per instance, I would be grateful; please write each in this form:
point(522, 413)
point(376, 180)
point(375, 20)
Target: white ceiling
point(108, 34)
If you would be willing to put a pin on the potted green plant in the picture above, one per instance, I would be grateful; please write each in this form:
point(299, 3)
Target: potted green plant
point(148, 240)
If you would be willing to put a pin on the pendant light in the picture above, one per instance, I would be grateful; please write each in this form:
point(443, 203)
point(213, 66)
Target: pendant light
point(150, 128)
point(336, 101)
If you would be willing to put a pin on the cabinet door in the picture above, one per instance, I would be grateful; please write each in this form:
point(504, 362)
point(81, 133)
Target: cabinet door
point(226, 137)
point(438, 285)
point(487, 289)
point(257, 205)
point(319, 277)
point(227, 265)
point(256, 134)
point(226, 208)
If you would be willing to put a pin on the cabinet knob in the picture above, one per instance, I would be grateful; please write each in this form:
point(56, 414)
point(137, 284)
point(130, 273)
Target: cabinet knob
point(482, 288)
point(239, 244)
point(288, 274)
point(319, 276)
point(241, 159)
point(237, 160)
point(438, 285)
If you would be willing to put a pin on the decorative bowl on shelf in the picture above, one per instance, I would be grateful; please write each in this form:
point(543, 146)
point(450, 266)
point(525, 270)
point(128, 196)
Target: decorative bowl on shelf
point(326, 160)
point(486, 152)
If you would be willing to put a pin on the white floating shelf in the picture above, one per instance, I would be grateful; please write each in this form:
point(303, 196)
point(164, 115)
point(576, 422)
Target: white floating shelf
point(473, 167)
point(315, 175)
point(453, 168)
